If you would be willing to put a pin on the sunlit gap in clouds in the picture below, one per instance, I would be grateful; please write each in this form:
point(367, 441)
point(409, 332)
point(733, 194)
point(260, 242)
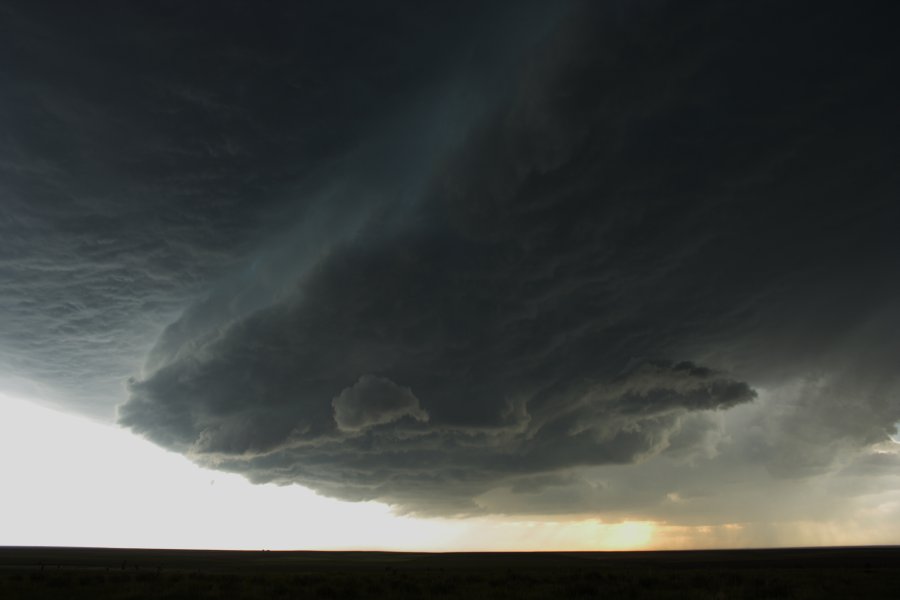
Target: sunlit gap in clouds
point(69, 481)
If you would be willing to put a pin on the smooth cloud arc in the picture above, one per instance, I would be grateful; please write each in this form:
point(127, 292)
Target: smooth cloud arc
point(634, 238)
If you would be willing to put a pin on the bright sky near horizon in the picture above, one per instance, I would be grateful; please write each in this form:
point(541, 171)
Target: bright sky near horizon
point(70, 481)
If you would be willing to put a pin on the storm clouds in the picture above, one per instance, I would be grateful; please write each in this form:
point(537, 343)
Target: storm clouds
point(468, 257)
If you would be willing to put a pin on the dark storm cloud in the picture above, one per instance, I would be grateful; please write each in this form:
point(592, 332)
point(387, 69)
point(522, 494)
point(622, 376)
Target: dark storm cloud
point(150, 154)
point(470, 259)
point(374, 401)
point(642, 232)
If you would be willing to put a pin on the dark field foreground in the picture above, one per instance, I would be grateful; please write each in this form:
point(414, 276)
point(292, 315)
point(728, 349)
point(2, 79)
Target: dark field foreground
point(169, 574)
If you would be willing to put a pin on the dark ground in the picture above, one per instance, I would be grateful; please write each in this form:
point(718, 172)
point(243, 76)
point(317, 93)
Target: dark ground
point(169, 574)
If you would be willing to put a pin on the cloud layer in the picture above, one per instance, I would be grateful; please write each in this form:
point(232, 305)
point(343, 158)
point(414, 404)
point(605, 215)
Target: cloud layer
point(639, 234)
point(153, 157)
point(506, 258)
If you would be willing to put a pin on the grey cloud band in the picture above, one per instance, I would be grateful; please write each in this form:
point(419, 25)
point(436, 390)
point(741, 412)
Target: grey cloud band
point(466, 257)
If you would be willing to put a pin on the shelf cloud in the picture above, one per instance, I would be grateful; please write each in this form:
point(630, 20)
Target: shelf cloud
point(505, 258)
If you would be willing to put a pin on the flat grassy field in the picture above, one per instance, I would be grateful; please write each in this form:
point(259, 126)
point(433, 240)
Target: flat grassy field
point(76, 573)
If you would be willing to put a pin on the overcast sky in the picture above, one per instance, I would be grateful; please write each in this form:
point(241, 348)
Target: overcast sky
point(482, 266)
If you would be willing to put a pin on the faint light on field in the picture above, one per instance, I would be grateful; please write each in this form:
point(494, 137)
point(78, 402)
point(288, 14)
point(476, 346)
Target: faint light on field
point(593, 534)
point(628, 536)
point(575, 534)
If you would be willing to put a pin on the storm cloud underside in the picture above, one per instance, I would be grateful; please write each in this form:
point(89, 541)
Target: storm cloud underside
point(513, 260)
